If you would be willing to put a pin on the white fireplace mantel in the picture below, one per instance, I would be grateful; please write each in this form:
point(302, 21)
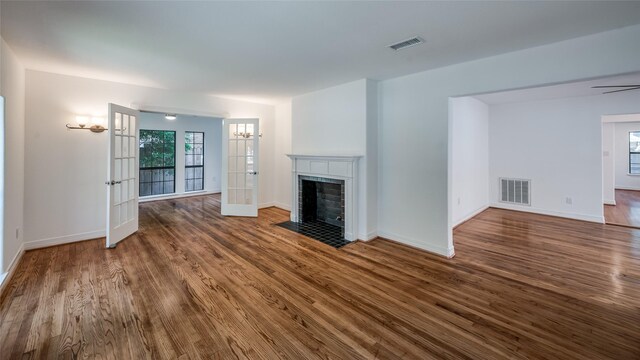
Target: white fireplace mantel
point(340, 167)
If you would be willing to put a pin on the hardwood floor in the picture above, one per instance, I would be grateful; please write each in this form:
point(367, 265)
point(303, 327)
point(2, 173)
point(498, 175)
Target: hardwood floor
point(194, 285)
point(626, 212)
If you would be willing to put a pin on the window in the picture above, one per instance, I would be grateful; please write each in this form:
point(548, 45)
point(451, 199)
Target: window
point(194, 161)
point(634, 152)
point(157, 162)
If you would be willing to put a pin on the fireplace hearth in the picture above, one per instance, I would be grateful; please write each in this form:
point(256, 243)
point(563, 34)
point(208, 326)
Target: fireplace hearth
point(321, 210)
point(318, 230)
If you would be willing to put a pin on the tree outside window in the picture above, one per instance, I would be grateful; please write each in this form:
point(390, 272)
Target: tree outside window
point(157, 162)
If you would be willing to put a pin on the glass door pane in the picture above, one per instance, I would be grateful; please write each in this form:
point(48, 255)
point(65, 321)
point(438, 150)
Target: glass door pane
point(240, 188)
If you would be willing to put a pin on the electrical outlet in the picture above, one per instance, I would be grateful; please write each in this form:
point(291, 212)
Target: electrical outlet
point(568, 201)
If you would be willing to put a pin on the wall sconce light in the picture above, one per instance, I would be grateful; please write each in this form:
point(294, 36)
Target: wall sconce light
point(82, 124)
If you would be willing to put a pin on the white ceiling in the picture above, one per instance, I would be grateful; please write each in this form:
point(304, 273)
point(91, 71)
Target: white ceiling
point(267, 51)
point(582, 88)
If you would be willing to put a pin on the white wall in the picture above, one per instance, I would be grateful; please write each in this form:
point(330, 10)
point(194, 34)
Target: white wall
point(469, 136)
point(343, 120)
point(12, 87)
point(608, 164)
point(212, 128)
point(65, 195)
point(622, 178)
point(372, 158)
point(414, 124)
point(331, 121)
point(558, 145)
point(282, 179)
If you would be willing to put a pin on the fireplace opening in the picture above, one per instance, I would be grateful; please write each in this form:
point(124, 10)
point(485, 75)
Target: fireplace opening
point(322, 201)
point(321, 212)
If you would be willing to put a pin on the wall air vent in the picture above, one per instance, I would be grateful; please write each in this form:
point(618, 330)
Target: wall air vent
point(515, 191)
point(406, 43)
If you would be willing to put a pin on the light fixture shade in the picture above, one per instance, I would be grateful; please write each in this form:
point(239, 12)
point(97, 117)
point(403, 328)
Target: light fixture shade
point(170, 116)
point(82, 120)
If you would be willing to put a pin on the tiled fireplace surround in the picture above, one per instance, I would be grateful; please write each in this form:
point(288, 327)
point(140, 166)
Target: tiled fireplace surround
point(330, 170)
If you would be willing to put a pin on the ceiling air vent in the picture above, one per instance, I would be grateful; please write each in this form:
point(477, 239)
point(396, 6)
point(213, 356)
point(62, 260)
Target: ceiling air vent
point(406, 43)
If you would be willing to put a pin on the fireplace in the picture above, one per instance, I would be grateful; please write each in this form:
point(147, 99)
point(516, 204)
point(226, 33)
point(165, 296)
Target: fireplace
point(325, 198)
point(321, 199)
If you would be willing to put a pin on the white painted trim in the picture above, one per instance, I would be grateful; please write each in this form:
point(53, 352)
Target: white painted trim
point(472, 214)
point(5, 277)
point(282, 206)
point(620, 118)
point(369, 236)
point(266, 205)
point(528, 209)
point(176, 196)
point(59, 240)
point(609, 202)
point(350, 158)
point(170, 110)
point(438, 250)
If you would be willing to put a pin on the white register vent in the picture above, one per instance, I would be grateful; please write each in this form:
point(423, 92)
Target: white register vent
point(515, 191)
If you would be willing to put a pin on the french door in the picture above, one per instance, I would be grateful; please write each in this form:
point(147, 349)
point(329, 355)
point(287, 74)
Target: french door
point(240, 167)
point(122, 194)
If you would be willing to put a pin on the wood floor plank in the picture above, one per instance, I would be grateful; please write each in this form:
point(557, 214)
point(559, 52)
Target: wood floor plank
point(192, 284)
point(626, 211)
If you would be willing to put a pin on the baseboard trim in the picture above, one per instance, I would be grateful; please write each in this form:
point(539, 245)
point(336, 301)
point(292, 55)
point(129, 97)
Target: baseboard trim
point(266, 205)
point(60, 240)
point(368, 237)
point(626, 188)
point(282, 206)
point(623, 225)
point(609, 202)
point(447, 252)
point(6, 277)
point(582, 217)
point(177, 196)
point(470, 216)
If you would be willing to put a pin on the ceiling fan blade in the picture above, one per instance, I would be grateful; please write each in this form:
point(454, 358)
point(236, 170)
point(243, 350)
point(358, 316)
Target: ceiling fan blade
point(627, 89)
point(613, 86)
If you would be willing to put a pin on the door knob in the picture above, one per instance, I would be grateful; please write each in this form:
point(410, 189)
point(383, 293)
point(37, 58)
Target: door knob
point(112, 182)
point(253, 172)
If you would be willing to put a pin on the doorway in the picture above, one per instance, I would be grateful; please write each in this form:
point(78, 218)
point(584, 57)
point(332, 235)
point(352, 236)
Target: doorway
point(621, 169)
point(180, 155)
